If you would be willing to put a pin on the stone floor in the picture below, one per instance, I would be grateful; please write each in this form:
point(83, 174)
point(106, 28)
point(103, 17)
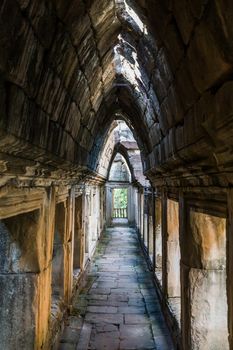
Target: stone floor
point(118, 308)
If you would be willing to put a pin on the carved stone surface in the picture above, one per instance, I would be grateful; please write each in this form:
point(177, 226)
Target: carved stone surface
point(67, 71)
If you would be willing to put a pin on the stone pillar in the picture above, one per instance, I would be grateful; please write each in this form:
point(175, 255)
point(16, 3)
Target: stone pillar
point(131, 205)
point(164, 242)
point(136, 208)
point(158, 233)
point(87, 211)
point(58, 259)
point(153, 221)
point(173, 249)
point(109, 200)
point(150, 226)
point(203, 276)
point(25, 276)
point(78, 262)
point(62, 270)
point(69, 247)
point(94, 213)
point(230, 266)
point(101, 220)
point(142, 215)
point(145, 220)
point(145, 228)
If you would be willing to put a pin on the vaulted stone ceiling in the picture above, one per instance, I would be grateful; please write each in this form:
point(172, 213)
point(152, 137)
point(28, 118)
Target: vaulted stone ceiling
point(120, 140)
point(68, 67)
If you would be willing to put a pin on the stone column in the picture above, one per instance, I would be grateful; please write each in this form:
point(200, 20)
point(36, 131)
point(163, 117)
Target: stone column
point(87, 209)
point(145, 220)
point(109, 199)
point(203, 276)
point(93, 214)
point(78, 234)
point(230, 266)
point(130, 206)
point(25, 276)
point(158, 232)
point(150, 226)
point(136, 209)
point(164, 242)
point(69, 246)
point(153, 223)
point(142, 215)
point(101, 213)
point(59, 262)
point(173, 249)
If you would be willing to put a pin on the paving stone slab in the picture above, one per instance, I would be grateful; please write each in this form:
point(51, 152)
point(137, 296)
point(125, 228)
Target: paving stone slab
point(131, 310)
point(119, 300)
point(84, 337)
point(97, 296)
point(102, 328)
point(107, 303)
point(136, 337)
point(104, 318)
point(118, 297)
point(135, 319)
point(102, 309)
point(110, 341)
point(104, 291)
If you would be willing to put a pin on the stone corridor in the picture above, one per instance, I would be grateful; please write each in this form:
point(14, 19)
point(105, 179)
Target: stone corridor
point(118, 308)
point(111, 110)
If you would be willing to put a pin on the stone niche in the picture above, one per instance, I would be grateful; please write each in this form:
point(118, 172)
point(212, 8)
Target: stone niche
point(24, 281)
point(78, 236)
point(204, 282)
point(58, 254)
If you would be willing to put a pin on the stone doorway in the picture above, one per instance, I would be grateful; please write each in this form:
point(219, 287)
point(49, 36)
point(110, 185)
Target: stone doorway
point(120, 203)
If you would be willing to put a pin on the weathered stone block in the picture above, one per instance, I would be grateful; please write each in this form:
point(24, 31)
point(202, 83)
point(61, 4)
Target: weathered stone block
point(184, 19)
point(206, 61)
point(208, 234)
point(197, 7)
point(174, 46)
point(18, 311)
point(208, 310)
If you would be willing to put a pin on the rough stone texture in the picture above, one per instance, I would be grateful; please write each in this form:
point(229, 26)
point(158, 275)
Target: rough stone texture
point(158, 233)
point(208, 235)
point(203, 279)
point(120, 141)
point(68, 70)
point(208, 310)
point(119, 283)
point(22, 325)
point(173, 249)
point(61, 90)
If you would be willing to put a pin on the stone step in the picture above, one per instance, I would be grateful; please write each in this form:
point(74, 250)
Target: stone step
point(84, 337)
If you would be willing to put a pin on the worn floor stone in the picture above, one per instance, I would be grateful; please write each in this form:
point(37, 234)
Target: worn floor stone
point(119, 300)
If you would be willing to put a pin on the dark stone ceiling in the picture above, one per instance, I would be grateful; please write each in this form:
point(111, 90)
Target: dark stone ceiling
point(68, 66)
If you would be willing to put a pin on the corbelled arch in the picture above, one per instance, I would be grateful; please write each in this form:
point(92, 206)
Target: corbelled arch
point(120, 149)
point(135, 124)
point(68, 68)
point(65, 119)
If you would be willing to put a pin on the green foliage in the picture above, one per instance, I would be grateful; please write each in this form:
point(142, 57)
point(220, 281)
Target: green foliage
point(120, 198)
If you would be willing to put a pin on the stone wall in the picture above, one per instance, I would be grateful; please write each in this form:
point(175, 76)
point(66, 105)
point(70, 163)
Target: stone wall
point(68, 70)
point(64, 77)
